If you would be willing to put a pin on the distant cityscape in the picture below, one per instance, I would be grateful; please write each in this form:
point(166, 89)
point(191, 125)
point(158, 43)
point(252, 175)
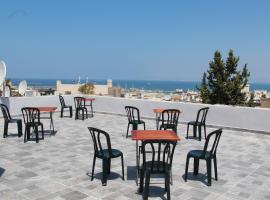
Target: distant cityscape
point(177, 91)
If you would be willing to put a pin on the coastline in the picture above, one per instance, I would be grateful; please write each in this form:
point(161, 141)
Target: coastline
point(147, 85)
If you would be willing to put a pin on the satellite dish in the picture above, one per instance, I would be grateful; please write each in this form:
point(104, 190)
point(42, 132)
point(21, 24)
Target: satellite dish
point(22, 87)
point(2, 72)
point(7, 92)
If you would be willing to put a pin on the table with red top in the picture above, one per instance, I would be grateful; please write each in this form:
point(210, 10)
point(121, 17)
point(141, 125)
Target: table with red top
point(90, 104)
point(158, 112)
point(50, 110)
point(142, 135)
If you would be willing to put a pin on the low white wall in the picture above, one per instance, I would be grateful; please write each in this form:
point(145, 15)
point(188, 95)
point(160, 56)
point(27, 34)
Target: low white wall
point(254, 119)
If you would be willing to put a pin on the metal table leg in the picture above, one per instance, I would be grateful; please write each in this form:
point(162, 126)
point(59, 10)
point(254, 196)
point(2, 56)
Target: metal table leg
point(51, 123)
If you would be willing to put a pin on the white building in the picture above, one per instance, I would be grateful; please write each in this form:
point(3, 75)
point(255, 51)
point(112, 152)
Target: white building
point(74, 88)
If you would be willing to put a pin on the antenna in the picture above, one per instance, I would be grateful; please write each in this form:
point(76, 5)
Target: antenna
point(22, 87)
point(2, 75)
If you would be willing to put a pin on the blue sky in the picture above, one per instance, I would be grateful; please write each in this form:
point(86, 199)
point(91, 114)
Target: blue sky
point(124, 39)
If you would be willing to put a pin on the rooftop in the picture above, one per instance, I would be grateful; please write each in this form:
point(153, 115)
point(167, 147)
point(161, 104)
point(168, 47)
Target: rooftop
point(56, 168)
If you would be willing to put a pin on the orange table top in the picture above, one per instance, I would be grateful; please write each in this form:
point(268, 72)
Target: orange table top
point(158, 110)
point(46, 109)
point(154, 135)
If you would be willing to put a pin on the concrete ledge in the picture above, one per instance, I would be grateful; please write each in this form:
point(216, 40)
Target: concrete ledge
point(229, 117)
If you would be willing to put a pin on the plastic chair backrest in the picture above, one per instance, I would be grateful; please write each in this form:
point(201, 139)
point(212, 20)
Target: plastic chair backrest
point(79, 102)
point(159, 153)
point(216, 134)
point(170, 117)
point(62, 101)
point(97, 135)
point(133, 113)
point(5, 112)
point(201, 115)
point(31, 115)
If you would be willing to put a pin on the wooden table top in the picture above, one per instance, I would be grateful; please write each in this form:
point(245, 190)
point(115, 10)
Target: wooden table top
point(154, 135)
point(89, 99)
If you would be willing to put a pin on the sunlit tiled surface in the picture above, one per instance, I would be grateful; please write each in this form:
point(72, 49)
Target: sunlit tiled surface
point(56, 167)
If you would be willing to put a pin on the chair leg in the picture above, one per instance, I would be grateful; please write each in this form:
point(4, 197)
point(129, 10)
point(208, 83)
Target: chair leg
point(28, 132)
point(123, 172)
point(92, 112)
point(19, 125)
point(76, 114)
point(25, 134)
point(5, 129)
point(209, 170)
point(70, 112)
point(144, 126)
point(93, 168)
point(82, 114)
point(62, 110)
point(147, 183)
point(104, 171)
point(186, 171)
point(187, 129)
point(109, 166)
point(194, 131)
point(200, 132)
point(141, 181)
point(204, 131)
point(167, 185)
point(127, 130)
point(215, 166)
point(134, 126)
point(196, 166)
point(86, 113)
point(36, 131)
point(42, 132)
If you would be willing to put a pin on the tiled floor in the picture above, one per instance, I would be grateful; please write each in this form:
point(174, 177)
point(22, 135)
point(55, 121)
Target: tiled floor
point(56, 167)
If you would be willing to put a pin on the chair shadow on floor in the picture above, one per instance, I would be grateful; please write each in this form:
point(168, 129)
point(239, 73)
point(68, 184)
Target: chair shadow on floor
point(199, 177)
point(2, 171)
point(154, 191)
point(50, 133)
point(131, 173)
point(111, 176)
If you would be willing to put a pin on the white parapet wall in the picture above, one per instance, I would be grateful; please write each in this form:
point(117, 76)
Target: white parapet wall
point(251, 119)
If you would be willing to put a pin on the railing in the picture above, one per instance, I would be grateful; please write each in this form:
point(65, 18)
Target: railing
point(233, 117)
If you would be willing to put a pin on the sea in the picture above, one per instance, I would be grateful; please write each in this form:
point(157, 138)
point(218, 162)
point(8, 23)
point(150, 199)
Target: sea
point(152, 85)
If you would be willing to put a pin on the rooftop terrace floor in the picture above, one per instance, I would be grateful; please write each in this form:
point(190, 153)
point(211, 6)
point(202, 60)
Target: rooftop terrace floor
point(56, 168)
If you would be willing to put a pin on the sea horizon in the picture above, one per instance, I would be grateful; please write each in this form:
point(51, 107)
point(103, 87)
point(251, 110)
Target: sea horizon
point(153, 85)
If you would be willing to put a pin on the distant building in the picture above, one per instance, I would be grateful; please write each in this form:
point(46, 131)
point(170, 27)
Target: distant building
point(74, 88)
point(265, 102)
point(245, 89)
point(115, 92)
